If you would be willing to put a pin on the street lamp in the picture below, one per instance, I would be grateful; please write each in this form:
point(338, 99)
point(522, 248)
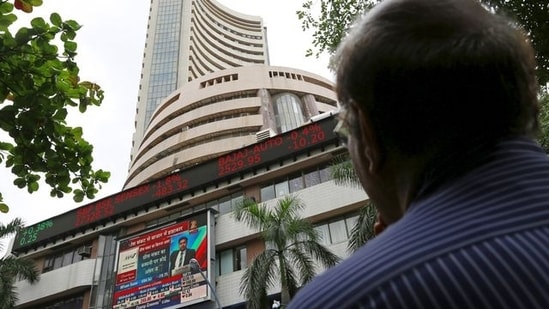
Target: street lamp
point(196, 266)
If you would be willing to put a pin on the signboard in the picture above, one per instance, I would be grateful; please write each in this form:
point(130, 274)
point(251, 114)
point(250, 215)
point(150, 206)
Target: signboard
point(155, 269)
point(133, 199)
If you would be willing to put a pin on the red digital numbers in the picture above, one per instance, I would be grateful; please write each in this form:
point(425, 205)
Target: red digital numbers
point(169, 185)
point(309, 135)
point(247, 157)
point(93, 212)
point(238, 160)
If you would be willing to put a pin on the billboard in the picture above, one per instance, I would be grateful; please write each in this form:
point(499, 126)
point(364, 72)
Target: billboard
point(154, 269)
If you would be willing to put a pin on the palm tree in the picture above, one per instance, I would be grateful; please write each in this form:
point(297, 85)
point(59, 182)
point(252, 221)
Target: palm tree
point(344, 174)
point(292, 248)
point(543, 137)
point(12, 267)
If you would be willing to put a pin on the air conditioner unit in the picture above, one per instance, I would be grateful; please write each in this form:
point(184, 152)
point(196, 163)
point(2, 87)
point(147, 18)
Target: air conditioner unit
point(265, 134)
point(84, 251)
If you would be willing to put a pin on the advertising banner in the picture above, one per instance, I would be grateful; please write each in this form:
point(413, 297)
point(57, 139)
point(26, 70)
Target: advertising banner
point(161, 268)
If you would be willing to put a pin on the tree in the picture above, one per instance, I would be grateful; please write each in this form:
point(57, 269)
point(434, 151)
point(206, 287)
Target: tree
point(39, 82)
point(12, 267)
point(330, 20)
point(292, 247)
point(543, 138)
point(344, 174)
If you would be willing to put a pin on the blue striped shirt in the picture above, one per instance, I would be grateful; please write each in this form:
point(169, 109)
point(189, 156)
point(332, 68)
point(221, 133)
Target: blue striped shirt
point(481, 241)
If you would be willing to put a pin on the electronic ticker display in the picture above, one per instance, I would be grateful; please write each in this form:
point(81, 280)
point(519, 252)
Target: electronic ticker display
point(134, 199)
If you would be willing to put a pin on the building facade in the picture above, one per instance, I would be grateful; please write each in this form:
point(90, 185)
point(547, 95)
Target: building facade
point(186, 40)
point(226, 110)
point(215, 123)
point(114, 253)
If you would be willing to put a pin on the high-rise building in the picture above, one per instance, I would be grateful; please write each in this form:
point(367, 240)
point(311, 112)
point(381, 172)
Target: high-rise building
point(222, 125)
point(189, 39)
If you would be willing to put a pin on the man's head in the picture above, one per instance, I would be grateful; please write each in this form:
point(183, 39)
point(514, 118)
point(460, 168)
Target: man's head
point(183, 243)
point(421, 79)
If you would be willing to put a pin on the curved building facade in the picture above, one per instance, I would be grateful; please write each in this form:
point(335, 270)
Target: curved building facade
point(223, 111)
point(189, 39)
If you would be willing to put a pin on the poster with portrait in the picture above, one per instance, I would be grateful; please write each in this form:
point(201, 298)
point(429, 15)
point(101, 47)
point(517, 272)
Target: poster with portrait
point(165, 267)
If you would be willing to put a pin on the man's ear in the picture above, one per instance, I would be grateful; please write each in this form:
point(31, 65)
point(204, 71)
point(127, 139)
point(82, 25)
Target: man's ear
point(371, 150)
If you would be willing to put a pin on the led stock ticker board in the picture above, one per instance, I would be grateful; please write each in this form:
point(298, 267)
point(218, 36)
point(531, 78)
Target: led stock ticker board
point(134, 199)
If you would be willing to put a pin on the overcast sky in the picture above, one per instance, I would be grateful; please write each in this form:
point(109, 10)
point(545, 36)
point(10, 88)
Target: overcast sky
point(110, 52)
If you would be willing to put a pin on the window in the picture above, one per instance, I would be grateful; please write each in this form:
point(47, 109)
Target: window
point(323, 233)
point(350, 222)
point(63, 258)
point(268, 193)
point(288, 113)
point(336, 231)
point(225, 262)
point(312, 178)
point(225, 205)
point(282, 188)
point(67, 303)
point(296, 182)
point(240, 258)
point(231, 260)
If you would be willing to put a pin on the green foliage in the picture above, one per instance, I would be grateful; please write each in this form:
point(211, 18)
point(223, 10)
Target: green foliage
point(39, 81)
point(292, 249)
point(330, 20)
point(363, 230)
point(344, 174)
point(12, 267)
point(543, 138)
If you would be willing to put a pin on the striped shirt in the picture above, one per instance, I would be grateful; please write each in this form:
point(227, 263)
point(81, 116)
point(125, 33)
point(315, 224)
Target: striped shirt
point(480, 242)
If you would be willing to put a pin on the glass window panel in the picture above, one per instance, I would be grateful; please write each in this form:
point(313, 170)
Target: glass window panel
point(312, 178)
point(237, 199)
point(67, 258)
point(226, 262)
point(323, 233)
point(225, 205)
point(296, 184)
point(58, 261)
point(240, 258)
point(338, 231)
point(351, 221)
point(325, 174)
point(267, 193)
point(282, 188)
point(48, 264)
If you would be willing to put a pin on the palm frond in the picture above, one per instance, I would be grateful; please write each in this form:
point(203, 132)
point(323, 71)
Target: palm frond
point(12, 267)
point(364, 227)
point(303, 263)
point(251, 213)
point(343, 172)
point(13, 227)
point(288, 207)
point(258, 277)
point(24, 268)
point(320, 253)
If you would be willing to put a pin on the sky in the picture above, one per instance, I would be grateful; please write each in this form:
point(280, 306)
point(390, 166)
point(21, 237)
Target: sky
point(110, 53)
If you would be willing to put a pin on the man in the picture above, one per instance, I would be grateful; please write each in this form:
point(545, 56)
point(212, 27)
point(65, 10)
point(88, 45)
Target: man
point(438, 110)
point(182, 256)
